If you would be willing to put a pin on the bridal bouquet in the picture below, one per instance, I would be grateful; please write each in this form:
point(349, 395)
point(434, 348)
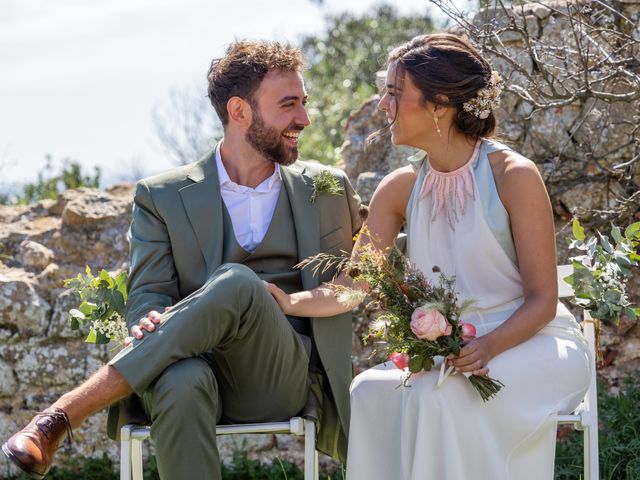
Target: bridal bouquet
point(417, 320)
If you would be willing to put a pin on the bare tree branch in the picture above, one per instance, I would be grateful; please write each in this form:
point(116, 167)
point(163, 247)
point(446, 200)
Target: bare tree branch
point(186, 125)
point(572, 96)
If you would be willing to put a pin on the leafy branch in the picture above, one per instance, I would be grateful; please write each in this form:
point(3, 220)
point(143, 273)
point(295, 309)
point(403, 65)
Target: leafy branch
point(601, 270)
point(103, 298)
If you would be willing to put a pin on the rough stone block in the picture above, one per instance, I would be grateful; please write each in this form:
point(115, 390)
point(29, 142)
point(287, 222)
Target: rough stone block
point(21, 307)
point(8, 384)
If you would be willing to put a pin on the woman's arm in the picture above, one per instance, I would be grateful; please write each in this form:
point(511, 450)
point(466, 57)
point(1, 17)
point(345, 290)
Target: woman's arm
point(386, 217)
point(523, 194)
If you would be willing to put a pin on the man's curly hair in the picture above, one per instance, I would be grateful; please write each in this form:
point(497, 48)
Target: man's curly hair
point(240, 72)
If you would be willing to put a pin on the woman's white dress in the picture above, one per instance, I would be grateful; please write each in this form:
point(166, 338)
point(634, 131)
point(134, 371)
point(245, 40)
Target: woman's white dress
point(423, 433)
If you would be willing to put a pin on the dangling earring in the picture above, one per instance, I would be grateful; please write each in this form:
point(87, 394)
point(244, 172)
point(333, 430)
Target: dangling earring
point(435, 120)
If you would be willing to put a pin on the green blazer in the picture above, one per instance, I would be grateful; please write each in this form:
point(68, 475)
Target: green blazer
point(176, 241)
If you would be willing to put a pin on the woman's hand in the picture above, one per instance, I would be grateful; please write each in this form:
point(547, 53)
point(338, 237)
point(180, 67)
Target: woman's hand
point(283, 299)
point(474, 357)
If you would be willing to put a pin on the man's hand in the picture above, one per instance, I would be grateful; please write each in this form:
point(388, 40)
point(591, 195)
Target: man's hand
point(147, 323)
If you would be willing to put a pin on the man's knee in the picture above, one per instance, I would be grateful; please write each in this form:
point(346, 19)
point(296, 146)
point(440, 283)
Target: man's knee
point(186, 385)
point(237, 273)
point(231, 279)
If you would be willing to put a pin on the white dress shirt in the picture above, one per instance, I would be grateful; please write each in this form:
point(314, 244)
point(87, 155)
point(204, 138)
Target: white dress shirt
point(250, 209)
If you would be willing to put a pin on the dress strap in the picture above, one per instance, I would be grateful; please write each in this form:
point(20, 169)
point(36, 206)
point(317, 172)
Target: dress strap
point(491, 146)
point(494, 211)
point(420, 164)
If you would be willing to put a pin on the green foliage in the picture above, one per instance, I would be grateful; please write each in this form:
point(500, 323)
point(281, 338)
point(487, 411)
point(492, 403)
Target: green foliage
point(241, 468)
point(343, 64)
point(79, 469)
point(103, 299)
point(619, 437)
point(600, 271)
point(49, 186)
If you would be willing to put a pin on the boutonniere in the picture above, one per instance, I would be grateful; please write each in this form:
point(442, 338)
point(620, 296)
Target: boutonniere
point(326, 183)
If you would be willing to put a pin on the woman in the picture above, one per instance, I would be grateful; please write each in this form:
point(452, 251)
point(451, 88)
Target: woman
point(479, 211)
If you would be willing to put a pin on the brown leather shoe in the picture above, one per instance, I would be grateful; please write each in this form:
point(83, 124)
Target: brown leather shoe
point(32, 448)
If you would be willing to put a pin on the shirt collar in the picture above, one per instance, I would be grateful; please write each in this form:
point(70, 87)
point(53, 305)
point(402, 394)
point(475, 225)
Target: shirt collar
point(225, 180)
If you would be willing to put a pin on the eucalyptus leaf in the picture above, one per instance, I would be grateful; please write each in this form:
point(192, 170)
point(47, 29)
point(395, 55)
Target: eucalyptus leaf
point(612, 296)
point(105, 277)
point(622, 259)
point(604, 241)
point(602, 311)
point(87, 308)
point(632, 231)
point(91, 338)
point(578, 231)
point(76, 314)
point(616, 234)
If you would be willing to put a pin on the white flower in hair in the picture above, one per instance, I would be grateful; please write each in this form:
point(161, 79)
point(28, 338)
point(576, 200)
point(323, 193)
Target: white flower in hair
point(487, 98)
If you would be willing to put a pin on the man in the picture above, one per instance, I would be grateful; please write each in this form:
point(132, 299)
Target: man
point(204, 239)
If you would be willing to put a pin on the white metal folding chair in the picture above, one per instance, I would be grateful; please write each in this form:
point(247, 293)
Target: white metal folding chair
point(585, 417)
point(131, 437)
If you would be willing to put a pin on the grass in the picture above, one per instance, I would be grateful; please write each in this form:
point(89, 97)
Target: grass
point(240, 468)
point(619, 437)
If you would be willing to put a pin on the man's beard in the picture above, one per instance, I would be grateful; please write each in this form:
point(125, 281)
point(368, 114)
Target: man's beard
point(269, 142)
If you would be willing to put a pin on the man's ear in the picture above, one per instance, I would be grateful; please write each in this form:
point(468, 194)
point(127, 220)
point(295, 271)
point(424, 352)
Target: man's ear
point(239, 111)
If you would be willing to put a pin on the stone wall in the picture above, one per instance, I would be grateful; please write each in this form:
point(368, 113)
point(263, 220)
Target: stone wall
point(40, 356)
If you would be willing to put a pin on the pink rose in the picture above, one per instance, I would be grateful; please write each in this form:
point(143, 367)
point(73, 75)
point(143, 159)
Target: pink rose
point(429, 324)
point(401, 360)
point(468, 331)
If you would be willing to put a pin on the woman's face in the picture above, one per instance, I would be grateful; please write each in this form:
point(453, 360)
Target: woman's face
point(411, 118)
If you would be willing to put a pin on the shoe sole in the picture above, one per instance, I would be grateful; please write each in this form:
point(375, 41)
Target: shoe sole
point(12, 457)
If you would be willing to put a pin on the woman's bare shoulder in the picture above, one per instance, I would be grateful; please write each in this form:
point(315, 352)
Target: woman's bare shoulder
point(515, 175)
point(394, 190)
point(399, 178)
point(511, 163)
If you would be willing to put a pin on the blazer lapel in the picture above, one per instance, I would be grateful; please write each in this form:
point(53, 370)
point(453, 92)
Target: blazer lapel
point(306, 218)
point(203, 204)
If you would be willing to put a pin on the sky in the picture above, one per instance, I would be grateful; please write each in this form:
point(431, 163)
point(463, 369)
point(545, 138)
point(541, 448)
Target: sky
point(80, 79)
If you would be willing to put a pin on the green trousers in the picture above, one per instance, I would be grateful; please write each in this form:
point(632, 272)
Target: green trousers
point(258, 372)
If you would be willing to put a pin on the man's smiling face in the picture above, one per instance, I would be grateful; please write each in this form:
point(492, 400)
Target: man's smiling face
point(278, 116)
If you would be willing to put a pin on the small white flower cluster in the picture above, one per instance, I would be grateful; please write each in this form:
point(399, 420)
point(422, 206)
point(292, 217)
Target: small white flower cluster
point(114, 329)
point(487, 99)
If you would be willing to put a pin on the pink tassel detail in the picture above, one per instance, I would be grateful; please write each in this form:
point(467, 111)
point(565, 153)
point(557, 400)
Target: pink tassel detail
point(451, 191)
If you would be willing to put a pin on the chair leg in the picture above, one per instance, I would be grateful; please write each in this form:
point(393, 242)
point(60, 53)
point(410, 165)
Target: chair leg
point(310, 453)
point(125, 452)
point(136, 459)
point(587, 453)
point(594, 458)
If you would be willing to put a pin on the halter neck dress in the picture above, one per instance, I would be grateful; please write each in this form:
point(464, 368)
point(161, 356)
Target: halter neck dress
point(457, 221)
